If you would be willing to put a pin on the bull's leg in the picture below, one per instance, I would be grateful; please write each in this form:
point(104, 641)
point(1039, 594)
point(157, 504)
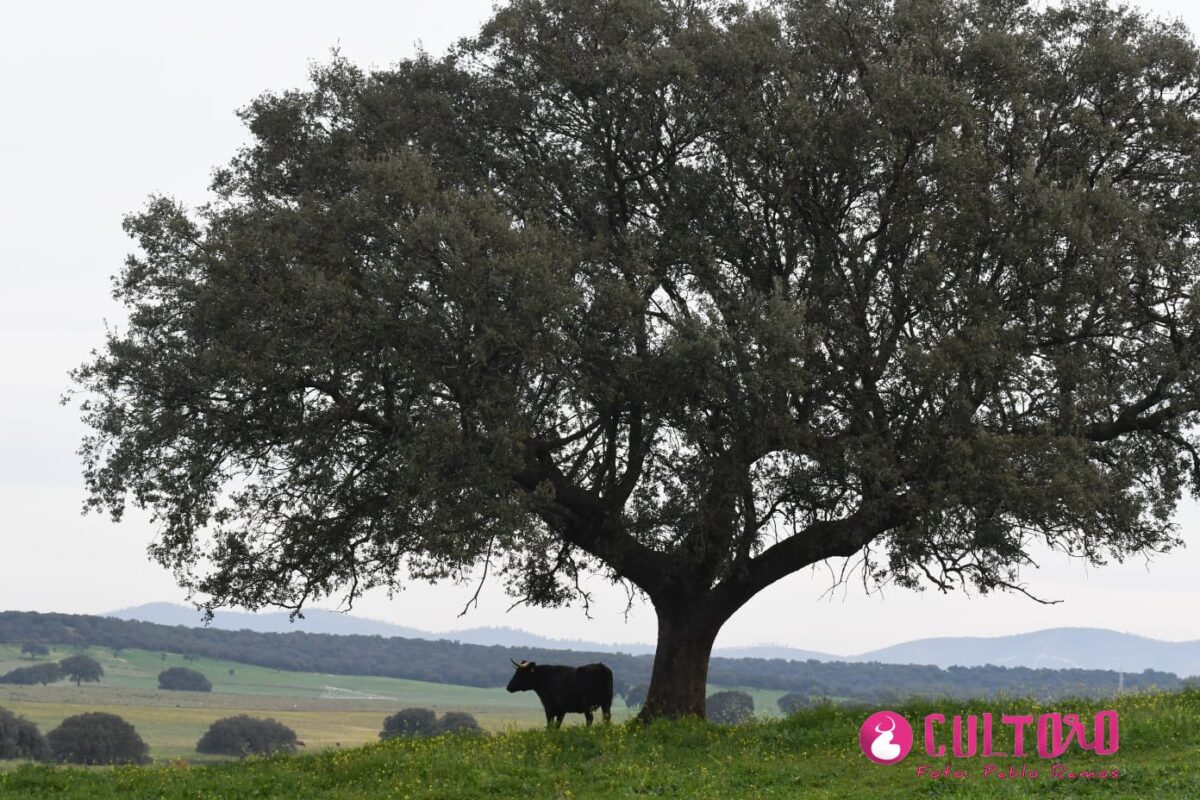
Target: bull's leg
point(558, 720)
point(588, 716)
point(607, 711)
point(549, 720)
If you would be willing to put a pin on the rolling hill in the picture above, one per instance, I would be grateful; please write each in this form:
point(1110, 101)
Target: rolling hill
point(1054, 648)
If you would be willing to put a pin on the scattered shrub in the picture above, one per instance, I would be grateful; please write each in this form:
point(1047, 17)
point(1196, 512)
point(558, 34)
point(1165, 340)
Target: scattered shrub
point(244, 735)
point(20, 738)
point(411, 722)
point(458, 722)
point(182, 679)
point(97, 738)
point(730, 708)
point(38, 673)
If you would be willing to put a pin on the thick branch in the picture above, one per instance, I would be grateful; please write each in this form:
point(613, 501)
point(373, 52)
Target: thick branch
point(587, 523)
point(817, 542)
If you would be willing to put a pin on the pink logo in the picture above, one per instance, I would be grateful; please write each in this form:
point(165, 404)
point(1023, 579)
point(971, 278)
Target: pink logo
point(885, 737)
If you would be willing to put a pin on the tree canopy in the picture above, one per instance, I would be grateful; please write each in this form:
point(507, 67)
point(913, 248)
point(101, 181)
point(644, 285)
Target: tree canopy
point(687, 294)
point(20, 738)
point(97, 738)
point(182, 679)
point(80, 668)
point(35, 649)
point(243, 735)
point(730, 707)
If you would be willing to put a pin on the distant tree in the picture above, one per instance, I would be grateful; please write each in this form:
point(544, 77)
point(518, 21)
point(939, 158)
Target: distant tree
point(162, 656)
point(182, 679)
point(636, 696)
point(410, 722)
point(33, 650)
point(20, 738)
point(244, 735)
point(730, 708)
point(792, 702)
point(97, 738)
point(190, 657)
point(231, 671)
point(38, 673)
point(458, 722)
point(80, 668)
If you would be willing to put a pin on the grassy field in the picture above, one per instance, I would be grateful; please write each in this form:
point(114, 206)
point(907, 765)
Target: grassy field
point(812, 755)
point(326, 711)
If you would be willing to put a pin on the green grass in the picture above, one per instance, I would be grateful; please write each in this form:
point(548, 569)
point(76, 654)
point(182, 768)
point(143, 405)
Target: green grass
point(812, 755)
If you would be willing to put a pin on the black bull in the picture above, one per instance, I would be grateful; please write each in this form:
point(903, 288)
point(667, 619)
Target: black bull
point(566, 690)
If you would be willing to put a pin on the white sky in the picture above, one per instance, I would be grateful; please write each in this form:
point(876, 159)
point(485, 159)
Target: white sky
point(102, 104)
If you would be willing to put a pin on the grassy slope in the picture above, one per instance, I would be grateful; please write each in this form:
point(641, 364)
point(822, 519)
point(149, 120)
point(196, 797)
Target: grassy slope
point(813, 755)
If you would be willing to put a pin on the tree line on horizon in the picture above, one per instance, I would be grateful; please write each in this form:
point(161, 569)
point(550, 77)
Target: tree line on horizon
point(483, 666)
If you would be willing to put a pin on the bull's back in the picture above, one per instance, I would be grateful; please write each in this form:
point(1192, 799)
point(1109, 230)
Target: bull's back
point(581, 689)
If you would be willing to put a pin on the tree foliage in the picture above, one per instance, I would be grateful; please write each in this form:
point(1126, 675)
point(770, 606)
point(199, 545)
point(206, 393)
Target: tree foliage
point(458, 722)
point(410, 722)
point(20, 738)
point(690, 295)
point(183, 679)
point(35, 649)
point(244, 735)
point(38, 673)
point(636, 696)
point(792, 702)
point(97, 738)
point(730, 707)
point(80, 668)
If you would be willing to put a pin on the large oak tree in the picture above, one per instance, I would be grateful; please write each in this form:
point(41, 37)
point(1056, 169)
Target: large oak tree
point(689, 295)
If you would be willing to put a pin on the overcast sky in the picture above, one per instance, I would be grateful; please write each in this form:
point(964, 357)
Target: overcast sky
point(106, 103)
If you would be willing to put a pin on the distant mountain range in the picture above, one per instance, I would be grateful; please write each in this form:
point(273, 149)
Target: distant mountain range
point(1054, 648)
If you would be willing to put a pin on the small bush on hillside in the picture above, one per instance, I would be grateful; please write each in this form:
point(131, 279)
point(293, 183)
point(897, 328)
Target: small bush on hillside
point(410, 722)
point(458, 722)
point(182, 679)
point(20, 738)
point(38, 673)
point(97, 738)
point(245, 735)
point(730, 708)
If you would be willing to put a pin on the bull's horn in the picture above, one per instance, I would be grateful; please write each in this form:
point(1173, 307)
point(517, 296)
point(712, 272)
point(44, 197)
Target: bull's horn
point(515, 664)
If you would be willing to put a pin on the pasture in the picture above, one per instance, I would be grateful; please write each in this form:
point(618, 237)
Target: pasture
point(813, 755)
point(326, 711)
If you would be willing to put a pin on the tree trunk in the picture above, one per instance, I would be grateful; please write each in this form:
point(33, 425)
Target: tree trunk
point(680, 677)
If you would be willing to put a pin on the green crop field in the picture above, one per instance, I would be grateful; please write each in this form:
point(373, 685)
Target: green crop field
point(812, 755)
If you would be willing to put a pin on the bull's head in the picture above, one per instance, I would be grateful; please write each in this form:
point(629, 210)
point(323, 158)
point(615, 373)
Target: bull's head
point(522, 679)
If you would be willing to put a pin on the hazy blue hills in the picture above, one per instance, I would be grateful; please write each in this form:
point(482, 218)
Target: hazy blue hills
point(1054, 648)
